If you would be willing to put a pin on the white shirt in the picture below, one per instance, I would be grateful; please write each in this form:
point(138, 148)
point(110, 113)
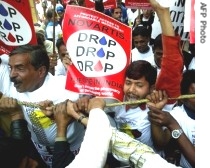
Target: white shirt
point(43, 129)
point(132, 15)
point(188, 126)
point(148, 56)
point(60, 69)
point(49, 32)
point(135, 119)
point(4, 74)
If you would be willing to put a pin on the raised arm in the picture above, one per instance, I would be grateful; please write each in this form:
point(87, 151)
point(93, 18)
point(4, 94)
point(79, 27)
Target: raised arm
point(172, 61)
point(169, 80)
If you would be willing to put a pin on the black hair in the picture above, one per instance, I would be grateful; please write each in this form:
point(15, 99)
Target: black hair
point(59, 42)
point(142, 68)
point(158, 42)
point(40, 39)
point(192, 48)
point(38, 55)
point(49, 13)
point(113, 9)
point(187, 79)
point(142, 31)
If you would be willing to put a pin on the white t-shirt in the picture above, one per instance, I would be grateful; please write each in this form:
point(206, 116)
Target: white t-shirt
point(137, 119)
point(132, 15)
point(49, 31)
point(4, 75)
point(148, 56)
point(60, 69)
point(188, 126)
point(43, 130)
point(134, 119)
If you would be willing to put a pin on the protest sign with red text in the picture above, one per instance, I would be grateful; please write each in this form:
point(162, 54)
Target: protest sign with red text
point(16, 25)
point(100, 49)
point(108, 4)
point(138, 4)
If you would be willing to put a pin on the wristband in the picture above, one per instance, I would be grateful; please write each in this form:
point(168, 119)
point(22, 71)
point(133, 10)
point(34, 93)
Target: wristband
point(80, 119)
point(60, 139)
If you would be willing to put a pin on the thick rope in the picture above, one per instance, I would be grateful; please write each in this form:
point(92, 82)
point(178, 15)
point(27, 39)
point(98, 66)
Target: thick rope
point(36, 105)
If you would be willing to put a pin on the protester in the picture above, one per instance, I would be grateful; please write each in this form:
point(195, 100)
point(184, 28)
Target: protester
point(180, 123)
point(64, 59)
point(116, 13)
point(29, 67)
point(142, 50)
point(60, 12)
point(145, 19)
point(49, 26)
point(122, 15)
point(48, 45)
point(141, 80)
point(133, 119)
point(158, 52)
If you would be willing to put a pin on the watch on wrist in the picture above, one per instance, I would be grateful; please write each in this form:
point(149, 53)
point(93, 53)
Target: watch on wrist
point(176, 133)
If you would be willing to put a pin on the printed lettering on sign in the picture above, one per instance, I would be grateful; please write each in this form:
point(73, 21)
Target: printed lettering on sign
point(100, 49)
point(96, 54)
point(13, 26)
point(16, 25)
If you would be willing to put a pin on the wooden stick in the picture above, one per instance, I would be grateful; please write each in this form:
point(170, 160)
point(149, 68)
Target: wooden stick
point(54, 21)
point(36, 105)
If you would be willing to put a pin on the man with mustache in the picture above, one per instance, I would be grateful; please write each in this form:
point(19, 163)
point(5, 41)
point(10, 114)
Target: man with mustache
point(32, 82)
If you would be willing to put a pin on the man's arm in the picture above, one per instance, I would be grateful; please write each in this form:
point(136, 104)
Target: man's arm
point(95, 145)
point(62, 155)
point(166, 119)
point(169, 78)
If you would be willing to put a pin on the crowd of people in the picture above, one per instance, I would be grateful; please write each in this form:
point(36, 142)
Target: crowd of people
point(61, 128)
